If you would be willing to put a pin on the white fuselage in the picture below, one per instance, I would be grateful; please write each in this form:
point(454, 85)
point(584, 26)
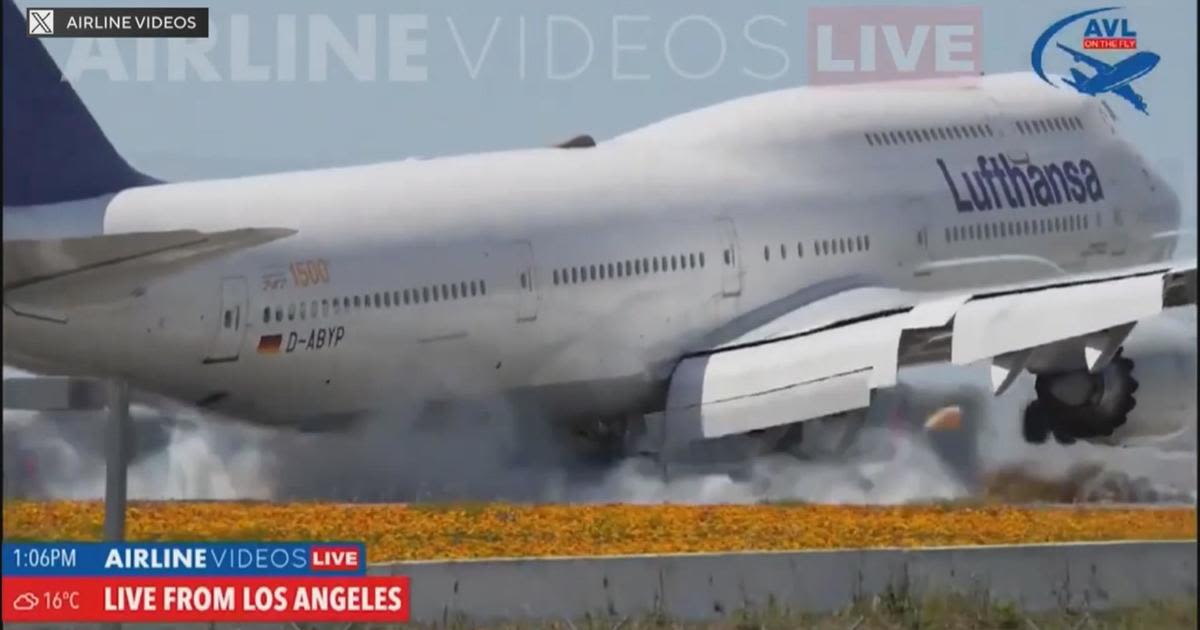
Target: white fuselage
point(541, 271)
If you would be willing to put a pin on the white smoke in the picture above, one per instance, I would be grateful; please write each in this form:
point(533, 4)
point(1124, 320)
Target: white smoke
point(481, 452)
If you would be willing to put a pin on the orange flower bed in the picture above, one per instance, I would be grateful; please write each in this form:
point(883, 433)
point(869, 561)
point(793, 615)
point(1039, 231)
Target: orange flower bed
point(421, 532)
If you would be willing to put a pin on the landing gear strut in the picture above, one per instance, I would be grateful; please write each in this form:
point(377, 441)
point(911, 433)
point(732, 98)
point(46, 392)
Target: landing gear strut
point(1080, 405)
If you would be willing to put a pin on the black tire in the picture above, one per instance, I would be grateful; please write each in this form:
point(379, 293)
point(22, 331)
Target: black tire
point(1106, 408)
point(1036, 426)
point(1063, 437)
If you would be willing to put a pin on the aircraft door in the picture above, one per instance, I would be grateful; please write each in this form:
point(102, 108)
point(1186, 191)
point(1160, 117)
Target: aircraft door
point(527, 291)
point(231, 321)
point(731, 262)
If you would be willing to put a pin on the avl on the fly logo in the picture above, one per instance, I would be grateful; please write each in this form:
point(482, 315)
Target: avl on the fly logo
point(1109, 37)
point(877, 43)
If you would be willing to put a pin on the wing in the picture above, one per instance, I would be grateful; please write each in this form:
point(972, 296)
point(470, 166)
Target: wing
point(1126, 92)
point(1079, 57)
point(827, 356)
point(43, 276)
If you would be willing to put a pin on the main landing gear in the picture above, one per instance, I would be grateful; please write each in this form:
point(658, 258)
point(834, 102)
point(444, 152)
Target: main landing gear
point(1079, 405)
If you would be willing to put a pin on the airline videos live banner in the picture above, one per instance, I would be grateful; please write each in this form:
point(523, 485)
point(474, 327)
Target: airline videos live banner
point(65, 582)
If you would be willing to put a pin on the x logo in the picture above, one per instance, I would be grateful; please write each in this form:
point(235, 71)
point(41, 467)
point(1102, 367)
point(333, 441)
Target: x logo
point(41, 21)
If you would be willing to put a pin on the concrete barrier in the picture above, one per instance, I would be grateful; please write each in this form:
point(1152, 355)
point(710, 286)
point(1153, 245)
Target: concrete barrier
point(1094, 576)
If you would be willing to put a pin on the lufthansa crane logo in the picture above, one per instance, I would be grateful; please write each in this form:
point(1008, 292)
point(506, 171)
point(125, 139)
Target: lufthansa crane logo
point(1102, 35)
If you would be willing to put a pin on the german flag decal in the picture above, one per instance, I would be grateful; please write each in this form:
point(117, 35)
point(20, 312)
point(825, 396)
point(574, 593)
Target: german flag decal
point(270, 344)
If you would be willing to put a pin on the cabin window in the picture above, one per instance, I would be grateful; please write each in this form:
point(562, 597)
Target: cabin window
point(266, 314)
point(303, 311)
point(229, 319)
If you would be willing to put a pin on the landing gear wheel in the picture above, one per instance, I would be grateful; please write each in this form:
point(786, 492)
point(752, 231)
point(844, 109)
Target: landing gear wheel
point(1079, 405)
point(1036, 425)
point(598, 442)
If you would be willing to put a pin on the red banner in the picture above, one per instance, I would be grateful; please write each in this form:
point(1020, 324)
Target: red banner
point(382, 599)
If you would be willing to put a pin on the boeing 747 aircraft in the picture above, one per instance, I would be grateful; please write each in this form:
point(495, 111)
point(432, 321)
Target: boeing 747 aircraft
point(743, 268)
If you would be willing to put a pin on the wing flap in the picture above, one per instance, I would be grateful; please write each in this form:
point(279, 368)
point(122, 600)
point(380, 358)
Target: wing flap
point(989, 327)
point(781, 382)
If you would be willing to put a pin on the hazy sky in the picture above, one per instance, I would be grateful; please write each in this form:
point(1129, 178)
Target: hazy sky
point(483, 75)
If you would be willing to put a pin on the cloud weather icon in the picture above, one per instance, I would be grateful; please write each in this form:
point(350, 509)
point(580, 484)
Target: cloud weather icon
point(25, 601)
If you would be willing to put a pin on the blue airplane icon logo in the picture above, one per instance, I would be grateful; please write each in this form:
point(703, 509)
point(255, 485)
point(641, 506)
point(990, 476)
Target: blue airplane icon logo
point(1115, 78)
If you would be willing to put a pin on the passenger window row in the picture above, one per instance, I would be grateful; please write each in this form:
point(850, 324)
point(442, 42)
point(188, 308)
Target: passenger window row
point(1024, 227)
point(627, 268)
point(1048, 125)
point(934, 134)
point(823, 247)
point(315, 309)
point(847, 245)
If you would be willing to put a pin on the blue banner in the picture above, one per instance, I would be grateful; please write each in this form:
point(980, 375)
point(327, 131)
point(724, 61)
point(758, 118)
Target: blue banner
point(215, 559)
